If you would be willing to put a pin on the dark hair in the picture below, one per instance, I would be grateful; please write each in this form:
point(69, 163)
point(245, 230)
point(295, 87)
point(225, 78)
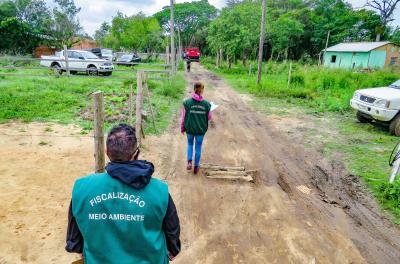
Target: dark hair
point(198, 87)
point(121, 143)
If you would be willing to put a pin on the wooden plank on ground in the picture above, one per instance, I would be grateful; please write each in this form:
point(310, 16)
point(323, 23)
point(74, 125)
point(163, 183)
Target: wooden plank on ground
point(247, 178)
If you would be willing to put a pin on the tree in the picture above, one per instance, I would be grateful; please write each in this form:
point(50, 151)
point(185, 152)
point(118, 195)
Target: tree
point(236, 31)
point(134, 33)
point(35, 13)
point(285, 33)
point(7, 9)
point(101, 34)
point(385, 8)
point(344, 24)
point(65, 25)
point(395, 36)
point(190, 19)
point(262, 38)
point(16, 37)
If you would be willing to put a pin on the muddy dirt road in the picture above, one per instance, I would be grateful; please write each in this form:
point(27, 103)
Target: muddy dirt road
point(302, 209)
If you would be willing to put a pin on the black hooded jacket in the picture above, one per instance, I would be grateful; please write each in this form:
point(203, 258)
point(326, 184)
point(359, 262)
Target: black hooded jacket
point(137, 174)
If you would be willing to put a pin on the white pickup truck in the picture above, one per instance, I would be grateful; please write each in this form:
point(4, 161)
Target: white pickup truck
point(78, 61)
point(380, 104)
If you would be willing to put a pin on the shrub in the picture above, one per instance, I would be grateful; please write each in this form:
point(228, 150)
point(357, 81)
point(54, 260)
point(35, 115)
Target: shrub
point(390, 192)
point(297, 79)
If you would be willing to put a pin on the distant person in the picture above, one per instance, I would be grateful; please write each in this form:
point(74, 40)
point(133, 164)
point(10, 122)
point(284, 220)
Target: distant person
point(196, 112)
point(188, 65)
point(123, 215)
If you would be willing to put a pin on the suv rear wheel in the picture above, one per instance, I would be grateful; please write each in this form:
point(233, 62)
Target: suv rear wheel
point(362, 118)
point(394, 127)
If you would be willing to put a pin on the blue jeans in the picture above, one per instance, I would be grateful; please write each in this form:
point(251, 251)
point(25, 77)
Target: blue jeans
point(199, 142)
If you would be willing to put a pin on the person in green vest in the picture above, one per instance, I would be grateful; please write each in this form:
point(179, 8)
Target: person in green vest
point(196, 112)
point(123, 215)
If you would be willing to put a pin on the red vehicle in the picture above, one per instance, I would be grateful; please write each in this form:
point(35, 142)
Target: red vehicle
point(193, 54)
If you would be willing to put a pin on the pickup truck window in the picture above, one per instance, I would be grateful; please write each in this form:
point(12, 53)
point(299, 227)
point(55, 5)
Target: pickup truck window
point(70, 54)
point(78, 55)
point(89, 55)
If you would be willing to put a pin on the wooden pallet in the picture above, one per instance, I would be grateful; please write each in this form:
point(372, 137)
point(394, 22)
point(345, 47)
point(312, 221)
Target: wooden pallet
point(229, 172)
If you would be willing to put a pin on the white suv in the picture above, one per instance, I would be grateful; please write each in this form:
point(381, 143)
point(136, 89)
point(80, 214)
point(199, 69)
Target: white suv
point(78, 61)
point(380, 104)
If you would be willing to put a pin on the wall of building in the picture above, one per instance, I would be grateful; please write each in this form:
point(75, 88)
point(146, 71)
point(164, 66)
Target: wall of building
point(85, 44)
point(348, 60)
point(377, 59)
point(43, 51)
point(392, 54)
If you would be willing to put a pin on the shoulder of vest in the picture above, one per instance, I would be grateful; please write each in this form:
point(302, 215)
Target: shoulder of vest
point(160, 183)
point(90, 178)
point(207, 103)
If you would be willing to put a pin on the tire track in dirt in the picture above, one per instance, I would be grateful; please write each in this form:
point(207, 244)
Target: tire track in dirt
point(233, 222)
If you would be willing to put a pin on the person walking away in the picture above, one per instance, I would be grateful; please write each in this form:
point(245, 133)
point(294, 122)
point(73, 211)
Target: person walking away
point(196, 112)
point(188, 65)
point(123, 215)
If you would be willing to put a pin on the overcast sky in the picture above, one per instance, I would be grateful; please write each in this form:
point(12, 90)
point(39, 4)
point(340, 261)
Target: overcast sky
point(94, 12)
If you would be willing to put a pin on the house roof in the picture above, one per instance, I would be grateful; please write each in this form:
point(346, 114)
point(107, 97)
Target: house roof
point(357, 46)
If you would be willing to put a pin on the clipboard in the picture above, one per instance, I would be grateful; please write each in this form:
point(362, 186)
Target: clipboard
point(79, 261)
point(213, 106)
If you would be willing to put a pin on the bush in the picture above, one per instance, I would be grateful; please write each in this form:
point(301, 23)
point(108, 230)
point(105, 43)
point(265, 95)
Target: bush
point(391, 192)
point(297, 79)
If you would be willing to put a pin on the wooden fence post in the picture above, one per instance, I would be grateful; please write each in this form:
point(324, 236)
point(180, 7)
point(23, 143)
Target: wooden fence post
point(167, 61)
point(139, 107)
point(99, 154)
point(146, 88)
point(289, 75)
point(130, 104)
point(66, 60)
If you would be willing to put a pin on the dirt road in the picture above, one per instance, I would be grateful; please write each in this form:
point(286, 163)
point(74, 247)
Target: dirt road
point(302, 209)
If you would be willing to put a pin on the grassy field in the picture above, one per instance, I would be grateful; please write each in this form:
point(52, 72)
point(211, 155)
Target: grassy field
point(325, 90)
point(320, 98)
point(67, 100)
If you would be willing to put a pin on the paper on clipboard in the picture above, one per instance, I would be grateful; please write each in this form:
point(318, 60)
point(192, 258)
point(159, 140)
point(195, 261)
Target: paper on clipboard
point(213, 106)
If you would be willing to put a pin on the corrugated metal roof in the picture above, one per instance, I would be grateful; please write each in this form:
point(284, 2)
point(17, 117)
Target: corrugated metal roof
point(357, 46)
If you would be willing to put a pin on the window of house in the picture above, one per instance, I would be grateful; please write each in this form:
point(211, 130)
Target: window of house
point(333, 58)
point(393, 60)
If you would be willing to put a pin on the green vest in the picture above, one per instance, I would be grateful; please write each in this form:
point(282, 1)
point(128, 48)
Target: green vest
point(196, 116)
point(120, 224)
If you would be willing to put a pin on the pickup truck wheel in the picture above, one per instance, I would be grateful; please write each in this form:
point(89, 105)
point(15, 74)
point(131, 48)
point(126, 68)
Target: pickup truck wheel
point(57, 69)
point(394, 127)
point(362, 119)
point(92, 71)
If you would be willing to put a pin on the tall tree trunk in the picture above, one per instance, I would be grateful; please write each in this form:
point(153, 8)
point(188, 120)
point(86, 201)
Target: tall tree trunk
point(179, 45)
point(173, 50)
point(262, 38)
point(286, 53)
point(229, 62)
point(378, 37)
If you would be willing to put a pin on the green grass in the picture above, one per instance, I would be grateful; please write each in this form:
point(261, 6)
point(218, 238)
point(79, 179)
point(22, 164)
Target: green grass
point(325, 90)
point(321, 97)
point(67, 100)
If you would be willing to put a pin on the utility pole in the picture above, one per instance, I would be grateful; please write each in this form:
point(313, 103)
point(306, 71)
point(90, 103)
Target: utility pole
point(262, 37)
point(326, 44)
point(173, 51)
